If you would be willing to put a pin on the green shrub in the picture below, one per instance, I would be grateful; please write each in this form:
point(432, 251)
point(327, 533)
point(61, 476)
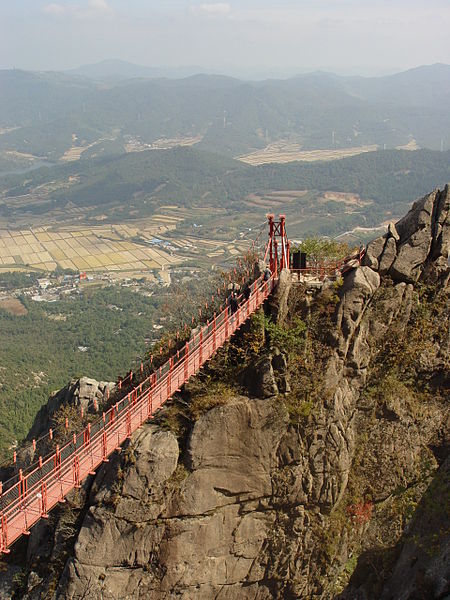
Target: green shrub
point(290, 338)
point(323, 249)
point(298, 408)
point(217, 394)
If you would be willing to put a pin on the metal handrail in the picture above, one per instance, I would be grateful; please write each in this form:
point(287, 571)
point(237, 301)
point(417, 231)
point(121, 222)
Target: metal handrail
point(40, 488)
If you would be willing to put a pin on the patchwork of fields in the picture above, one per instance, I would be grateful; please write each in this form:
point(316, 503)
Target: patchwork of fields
point(160, 242)
point(103, 248)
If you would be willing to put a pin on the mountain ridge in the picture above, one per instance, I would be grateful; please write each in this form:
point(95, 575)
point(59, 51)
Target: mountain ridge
point(231, 116)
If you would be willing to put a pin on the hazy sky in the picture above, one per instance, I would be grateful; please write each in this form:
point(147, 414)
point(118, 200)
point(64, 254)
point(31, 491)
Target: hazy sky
point(240, 35)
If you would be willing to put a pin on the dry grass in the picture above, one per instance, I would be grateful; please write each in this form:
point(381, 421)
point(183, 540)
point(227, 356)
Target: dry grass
point(217, 394)
point(75, 152)
point(136, 145)
point(411, 145)
point(345, 198)
point(128, 246)
point(13, 306)
point(274, 200)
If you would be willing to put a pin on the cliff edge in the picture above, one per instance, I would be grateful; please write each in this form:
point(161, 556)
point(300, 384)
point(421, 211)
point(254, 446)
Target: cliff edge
point(309, 460)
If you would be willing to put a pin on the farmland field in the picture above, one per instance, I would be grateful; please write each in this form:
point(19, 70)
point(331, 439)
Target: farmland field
point(284, 152)
point(13, 306)
point(103, 248)
point(165, 240)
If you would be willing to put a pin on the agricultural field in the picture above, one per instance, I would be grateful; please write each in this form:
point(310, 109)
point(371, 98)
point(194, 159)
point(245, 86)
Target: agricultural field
point(284, 152)
point(74, 153)
point(216, 236)
point(411, 145)
point(135, 144)
point(167, 239)
point(309, 210)
point(202, 210)
point(13, 306)
point(103, 248)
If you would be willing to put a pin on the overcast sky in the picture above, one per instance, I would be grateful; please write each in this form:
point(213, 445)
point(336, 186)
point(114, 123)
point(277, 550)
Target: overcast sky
point(284, 37)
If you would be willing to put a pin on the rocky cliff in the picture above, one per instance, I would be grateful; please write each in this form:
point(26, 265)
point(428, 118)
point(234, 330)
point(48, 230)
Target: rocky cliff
point(309, 460)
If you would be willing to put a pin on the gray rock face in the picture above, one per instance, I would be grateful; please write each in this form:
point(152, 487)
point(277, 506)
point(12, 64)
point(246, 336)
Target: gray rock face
point(392, 230)
point(192, 537)
point(359, 287)
point(373, 253)
point(10, 574)
point(259, 379)
point(388, 256)
point(280, 367)
point(120, 530)
point(280, 297)
point(84, 392)
point(418, 242)
point(88, 393)
point(233, 454)
point(422, 568)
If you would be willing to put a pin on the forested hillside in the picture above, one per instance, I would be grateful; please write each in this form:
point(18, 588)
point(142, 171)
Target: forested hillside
point(40, 351)
point(139, 183)
point(46, 114)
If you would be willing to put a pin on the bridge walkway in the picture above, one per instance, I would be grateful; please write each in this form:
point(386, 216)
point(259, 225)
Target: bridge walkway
point(48, 482)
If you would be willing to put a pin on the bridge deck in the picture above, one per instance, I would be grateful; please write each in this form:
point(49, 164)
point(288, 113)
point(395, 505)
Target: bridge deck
point(39, 489)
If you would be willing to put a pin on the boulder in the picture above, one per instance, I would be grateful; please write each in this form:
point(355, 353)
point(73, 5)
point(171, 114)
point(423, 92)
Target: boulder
point(373, 252)
point(392, 231)
point(424, 234)
point(388, 256)
point(359, 286)
point(88, 393)
point(419, 241)
point(84, 392)
point(259, 378)
point(279, 299)
point(440, 245)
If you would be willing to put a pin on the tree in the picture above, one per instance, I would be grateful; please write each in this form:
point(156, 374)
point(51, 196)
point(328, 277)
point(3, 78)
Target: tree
point(320, 250)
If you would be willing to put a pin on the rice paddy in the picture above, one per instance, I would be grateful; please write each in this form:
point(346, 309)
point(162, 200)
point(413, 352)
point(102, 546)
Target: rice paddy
point(150, 244)
point(95, 249)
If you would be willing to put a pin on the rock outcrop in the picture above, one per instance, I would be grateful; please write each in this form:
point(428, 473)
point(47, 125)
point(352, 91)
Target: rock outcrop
point(211, 520)
point(422, 568)
point(418, 243)
point(84, 393)
point(302, 489)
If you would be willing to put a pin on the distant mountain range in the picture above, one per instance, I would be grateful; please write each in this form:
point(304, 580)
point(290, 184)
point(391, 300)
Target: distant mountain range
point(117, 70)
point(121, 107)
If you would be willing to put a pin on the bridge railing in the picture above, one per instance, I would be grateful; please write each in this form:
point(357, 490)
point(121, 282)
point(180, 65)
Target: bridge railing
point(44, 484)
point(331, 268)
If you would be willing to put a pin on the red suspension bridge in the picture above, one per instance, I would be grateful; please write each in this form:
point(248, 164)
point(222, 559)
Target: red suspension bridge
point(33, 492)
